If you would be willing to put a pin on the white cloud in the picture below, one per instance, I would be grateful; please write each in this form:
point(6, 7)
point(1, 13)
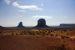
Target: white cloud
point(22, 7)
point(45, 17)
point(28, 7)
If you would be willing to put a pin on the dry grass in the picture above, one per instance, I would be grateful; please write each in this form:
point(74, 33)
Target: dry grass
point(37, 39)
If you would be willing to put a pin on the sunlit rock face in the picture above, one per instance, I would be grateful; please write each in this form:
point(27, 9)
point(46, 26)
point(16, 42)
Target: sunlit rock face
point(41, 23)
point(20, 25)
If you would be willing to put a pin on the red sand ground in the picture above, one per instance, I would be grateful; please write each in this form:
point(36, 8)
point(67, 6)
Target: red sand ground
point(37, 39)
point(27, 43)
point(22, 42)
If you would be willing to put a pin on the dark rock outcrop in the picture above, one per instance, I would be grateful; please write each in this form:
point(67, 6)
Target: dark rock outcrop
point(20, 25)
point(41, 23)
point(0, 26)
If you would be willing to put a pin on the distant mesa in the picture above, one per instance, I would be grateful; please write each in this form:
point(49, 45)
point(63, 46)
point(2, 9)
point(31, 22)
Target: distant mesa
point(20, 25)
point(1, 27)
point(41, 23)
point(67, 25)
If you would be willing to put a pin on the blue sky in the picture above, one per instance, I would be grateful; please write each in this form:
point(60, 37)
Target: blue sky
point(54, 12)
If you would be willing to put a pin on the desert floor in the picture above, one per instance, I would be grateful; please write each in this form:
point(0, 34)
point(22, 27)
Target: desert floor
point(52, 40)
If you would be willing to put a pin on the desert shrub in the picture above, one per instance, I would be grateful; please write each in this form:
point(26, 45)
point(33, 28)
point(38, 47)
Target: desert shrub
point(31, 33)
point(63, 37)
point(37, 33)
point(23, 32)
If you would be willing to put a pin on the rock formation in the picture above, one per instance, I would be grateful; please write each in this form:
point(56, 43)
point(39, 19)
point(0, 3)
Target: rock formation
point(41, 23)
point(0, 26)
point(20, 25)
point(67, 25)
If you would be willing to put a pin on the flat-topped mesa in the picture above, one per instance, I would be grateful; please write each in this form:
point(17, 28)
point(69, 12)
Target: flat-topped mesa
point(20, 25)
point(41, 23)
point(67, 25)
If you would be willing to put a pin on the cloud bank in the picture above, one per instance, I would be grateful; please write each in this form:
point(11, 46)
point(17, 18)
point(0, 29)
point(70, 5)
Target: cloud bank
point(30, 7)
point(23, 7)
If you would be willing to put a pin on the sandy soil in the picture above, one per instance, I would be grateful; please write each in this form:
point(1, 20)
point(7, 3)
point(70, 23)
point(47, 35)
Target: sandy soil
point(35, 43)
point(37, 39)
point(28, 42)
